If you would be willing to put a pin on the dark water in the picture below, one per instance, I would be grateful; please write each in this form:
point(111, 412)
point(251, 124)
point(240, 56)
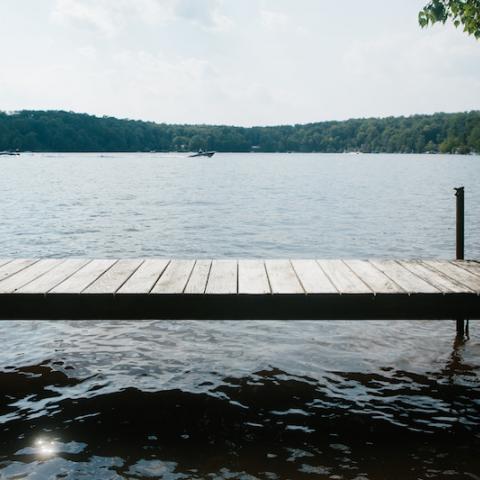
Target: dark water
point(157, 399)
point(238, 400)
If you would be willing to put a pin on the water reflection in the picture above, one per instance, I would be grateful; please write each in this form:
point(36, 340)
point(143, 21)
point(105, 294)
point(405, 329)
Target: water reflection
point(268, 424)
point(45, 447)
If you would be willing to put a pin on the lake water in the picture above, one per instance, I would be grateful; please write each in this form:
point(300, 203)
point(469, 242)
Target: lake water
point(238, 400)
point(241, 205)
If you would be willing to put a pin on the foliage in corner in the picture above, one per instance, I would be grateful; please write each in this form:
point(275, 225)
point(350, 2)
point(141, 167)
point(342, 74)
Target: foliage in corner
point(461, 12)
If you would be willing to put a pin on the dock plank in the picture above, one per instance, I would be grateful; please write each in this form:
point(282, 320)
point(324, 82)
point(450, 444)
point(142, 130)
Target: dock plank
point(223, 277)
point(11, 268)
point(199, 277)
point(312, 277)
point(145, 277)
point(282, 277)
point(54, 277)
point(21, 278)
point(343, 278)
point(81, 279)
point(459, 274)
point(410, 282)
point(252, 277)
point(374, 278)
point(4, 261)
point(114, 277)
point(175, 277)
point(434, 277)
point(471, 266)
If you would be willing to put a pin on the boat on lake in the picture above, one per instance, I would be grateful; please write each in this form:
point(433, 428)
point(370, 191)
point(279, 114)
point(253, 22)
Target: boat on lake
point(9, 153)
point(201, 153)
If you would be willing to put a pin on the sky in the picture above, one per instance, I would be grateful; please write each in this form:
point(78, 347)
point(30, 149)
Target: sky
point(235, 62)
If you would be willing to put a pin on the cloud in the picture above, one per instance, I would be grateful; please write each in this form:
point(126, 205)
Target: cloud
point(207, 13)
point(111, 16)
point(273, 20)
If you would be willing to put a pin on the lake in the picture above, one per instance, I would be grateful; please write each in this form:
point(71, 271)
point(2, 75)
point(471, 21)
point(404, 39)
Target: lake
point(240, 205)
point(247, 399)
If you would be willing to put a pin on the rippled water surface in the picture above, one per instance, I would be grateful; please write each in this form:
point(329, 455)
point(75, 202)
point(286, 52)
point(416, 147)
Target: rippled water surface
point(242, 205)
point(249, 399)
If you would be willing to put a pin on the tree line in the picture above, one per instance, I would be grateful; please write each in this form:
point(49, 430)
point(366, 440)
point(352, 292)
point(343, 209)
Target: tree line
point(59, 131)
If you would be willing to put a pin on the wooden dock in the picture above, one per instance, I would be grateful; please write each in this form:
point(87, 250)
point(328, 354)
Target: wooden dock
point(239, 289)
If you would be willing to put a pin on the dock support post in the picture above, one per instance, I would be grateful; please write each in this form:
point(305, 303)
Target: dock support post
point(460, 194)
point(460, 242)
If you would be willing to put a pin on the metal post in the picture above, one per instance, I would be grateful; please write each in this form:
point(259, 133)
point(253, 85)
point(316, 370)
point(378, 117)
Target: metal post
point(460, 194)
point(460, 243)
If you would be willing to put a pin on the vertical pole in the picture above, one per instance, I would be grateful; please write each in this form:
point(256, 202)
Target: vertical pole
point(460, 243)
point(460, 194)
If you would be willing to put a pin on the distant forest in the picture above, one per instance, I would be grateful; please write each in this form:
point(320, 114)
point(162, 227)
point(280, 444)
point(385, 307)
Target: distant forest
point(58, 131)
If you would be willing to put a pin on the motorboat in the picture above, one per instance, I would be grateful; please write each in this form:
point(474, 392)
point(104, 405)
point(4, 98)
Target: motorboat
point(9, 153)
point(201, 153)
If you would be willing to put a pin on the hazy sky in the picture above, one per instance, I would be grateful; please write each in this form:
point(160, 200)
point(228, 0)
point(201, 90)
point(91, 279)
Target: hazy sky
point(239, 62)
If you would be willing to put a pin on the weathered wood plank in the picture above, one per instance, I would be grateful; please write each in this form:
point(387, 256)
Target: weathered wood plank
point(342, 277)
point(4, 261)
point(312, 277)
point(11, 268)
point(199, 277)
point(21, 278)
point(81, 279)
point(114, 277)
point(282, 277)
point(403, 277)
point(223, 277)
point(54, 277)
point(374, 278)
point(252, 277)
point(175, 277)
point(458, 274)
point(145, 277)
point(434, 277)
point(471, 266)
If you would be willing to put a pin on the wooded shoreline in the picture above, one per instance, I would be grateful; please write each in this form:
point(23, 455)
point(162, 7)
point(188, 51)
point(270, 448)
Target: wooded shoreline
point(59, 131)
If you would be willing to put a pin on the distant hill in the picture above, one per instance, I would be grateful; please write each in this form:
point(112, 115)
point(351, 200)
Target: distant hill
point(58, 131)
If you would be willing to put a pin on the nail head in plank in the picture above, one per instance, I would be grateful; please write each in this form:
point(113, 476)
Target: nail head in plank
point(114, 277)
point(377, 281)
point(199, 277)
point(312, 277)
point(342, 277)
point(81, 279)
point(435, 278)
point(54, 277)
point(403, 277)
point(145, 277)
point(223, 277)
point(15, 266)
point(282, 277)
point(252, 277)
point(21, 278)
point(175, 277)
point(458, 274)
